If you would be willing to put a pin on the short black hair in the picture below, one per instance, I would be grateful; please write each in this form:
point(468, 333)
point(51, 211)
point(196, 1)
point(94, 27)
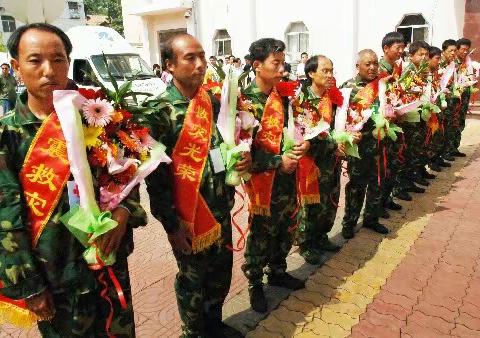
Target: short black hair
point(212, 57)
point(434, 51)
point(416, 45)
point(167, 49)
point(5, 64)
point(261, 49)
point(392, 38)
point(14, 40)
point(304, 53)
point(447, 43)
point(248, 57)
point(312, 65)
point(464, 42)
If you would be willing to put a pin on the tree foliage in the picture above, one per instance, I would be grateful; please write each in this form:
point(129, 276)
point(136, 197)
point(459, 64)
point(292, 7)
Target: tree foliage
point(111, 8)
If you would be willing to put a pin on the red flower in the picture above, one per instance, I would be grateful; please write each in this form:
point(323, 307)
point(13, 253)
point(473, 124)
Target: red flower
point(126, 114)
point(91, 94)
point(287, 89)
point(211, 84)
point(335, 94)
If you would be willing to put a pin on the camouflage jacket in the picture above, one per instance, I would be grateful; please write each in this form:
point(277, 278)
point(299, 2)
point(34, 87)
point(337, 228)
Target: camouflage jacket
point(368, 144)
point(167, 116)
point(384, 66)
point(56, 262)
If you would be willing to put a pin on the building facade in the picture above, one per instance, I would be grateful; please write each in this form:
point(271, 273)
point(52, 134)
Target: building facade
point(337, 29)
point(73, 15)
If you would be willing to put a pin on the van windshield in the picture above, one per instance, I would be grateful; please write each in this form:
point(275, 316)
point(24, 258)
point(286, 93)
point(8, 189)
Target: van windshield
point(122, 66)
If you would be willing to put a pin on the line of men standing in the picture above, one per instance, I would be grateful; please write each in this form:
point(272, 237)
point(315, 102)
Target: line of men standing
point(293, 190)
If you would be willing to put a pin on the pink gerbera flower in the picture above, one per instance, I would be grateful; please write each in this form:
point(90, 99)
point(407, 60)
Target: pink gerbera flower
point(97, 112)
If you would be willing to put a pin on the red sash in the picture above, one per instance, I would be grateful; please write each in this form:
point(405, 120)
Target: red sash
point(366, 96)
point(307, 171)
point(188, 159)
point(43, 177)
point(269, 138)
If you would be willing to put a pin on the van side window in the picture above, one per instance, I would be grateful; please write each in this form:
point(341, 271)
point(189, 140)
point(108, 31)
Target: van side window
point(81, 68)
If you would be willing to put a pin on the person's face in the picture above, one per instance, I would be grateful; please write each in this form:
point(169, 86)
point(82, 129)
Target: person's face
point(394, 52)
point(231, 59)
point(237, 64)
point(419, 56)
point(213, 61)
point(450, 53)
point(323, 76)
point(42, 63)
point(5, 70)
point(434, 62)
point(271, 70)
point(304, 58)
point(367, 67)
point(463, 52)
point(190, 64)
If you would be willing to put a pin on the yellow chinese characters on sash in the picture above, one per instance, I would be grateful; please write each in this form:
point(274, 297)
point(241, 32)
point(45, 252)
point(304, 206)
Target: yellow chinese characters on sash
point(43, 177)
point(307, 171)
point(188, 159)
point(269, 138)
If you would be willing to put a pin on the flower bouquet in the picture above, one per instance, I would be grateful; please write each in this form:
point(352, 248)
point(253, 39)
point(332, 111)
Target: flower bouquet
point(347, 123)
point(103, 139)
point(230, 124)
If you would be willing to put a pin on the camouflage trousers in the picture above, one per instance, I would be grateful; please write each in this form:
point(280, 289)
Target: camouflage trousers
point(202, 284)
point(364, 183)
point(394, 162)
point(84, 314)
point(464, 103)
point(415, 153)
point(271, 237)
point(452, 125)
point(318, 219)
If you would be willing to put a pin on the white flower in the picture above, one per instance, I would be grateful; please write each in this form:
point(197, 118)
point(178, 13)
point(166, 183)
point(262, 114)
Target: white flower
point(97, 112)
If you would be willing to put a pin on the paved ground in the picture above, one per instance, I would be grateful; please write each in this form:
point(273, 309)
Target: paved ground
point(354, 289)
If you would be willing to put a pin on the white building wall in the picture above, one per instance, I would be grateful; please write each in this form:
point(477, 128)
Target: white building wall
point(338, 29)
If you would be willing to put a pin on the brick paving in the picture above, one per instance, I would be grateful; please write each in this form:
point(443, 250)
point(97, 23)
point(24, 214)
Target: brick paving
point(422, 280)
point(372, 287)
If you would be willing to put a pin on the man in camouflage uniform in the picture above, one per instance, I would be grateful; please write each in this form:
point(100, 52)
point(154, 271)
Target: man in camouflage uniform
point(463, 51)
point(363, 172)
point(52, 277)
point(270, 237)
point(437, 138)
point(203, 279)
point(413, 170)
point(392, 45)
point(318, 218)
point(452, 112)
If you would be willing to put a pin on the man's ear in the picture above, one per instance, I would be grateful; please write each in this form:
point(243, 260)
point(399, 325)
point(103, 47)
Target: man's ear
point(14, 63)
point(256, 65)
point(170, 65)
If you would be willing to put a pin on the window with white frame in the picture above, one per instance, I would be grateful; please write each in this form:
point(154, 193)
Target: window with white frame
point(297, 38)
point(74, 10)
point(413, 27)
point(8, 23)
point(222, 43)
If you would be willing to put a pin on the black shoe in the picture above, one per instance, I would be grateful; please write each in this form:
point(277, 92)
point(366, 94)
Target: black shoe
point(222, 330)
point(311, 256)
point(377, 227)
point(416, 189)
point(428, 176)
point(385, 214)
point(422, 181)
point(257, 299)
point(348, 232)
point(403, 195)
point(287, 281)
point(459, 154)
point(393, 206)
point(445, 164)
point(448, 157)
point(327, 245)
point(435, 167)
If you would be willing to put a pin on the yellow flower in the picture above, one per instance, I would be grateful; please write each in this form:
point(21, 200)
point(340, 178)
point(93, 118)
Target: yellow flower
point(91, 135)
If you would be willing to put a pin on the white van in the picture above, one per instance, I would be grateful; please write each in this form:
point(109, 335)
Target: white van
point(89, 45)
